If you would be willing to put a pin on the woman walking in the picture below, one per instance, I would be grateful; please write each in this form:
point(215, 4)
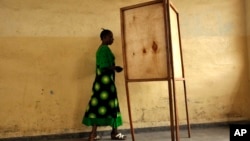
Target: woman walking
point(103, 107)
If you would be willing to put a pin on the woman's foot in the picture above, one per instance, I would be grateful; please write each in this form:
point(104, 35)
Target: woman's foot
point(118, 136)
point(94, 137)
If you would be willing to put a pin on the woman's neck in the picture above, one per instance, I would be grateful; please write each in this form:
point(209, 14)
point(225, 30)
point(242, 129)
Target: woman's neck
point(103, 43)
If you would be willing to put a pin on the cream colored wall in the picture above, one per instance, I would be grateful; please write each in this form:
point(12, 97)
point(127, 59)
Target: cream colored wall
point(248, 32)
point(47, 64)
point(215, 54)
point(247, 8)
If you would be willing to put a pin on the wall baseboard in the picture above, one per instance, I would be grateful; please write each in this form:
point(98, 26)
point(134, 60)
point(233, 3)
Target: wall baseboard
point(125, 131)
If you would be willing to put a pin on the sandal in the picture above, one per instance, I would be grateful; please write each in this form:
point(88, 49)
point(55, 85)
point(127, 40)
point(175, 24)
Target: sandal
point(118, 136)
point(93, 137)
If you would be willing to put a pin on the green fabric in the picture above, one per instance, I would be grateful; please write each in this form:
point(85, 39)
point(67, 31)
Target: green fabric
point(103, 107)
point(113, 122)
point(104, 57)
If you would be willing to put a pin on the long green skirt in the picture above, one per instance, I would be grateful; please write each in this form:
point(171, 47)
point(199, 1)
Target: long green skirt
point(103, 107)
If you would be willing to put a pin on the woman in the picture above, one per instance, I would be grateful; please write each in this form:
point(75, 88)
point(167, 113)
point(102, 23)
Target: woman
point(103, 108)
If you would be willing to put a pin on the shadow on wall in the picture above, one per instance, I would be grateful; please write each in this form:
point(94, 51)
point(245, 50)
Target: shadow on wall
point(240, 100)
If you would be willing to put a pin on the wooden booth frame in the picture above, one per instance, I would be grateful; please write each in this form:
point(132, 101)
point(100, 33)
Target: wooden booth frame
point(166, 48)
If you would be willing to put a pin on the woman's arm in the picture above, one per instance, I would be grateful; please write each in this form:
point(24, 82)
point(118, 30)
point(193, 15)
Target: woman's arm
point(113, 68)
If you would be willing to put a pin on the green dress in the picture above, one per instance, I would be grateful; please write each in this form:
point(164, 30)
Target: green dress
point(103, 107)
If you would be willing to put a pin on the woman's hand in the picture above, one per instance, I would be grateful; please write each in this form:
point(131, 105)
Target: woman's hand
point(118, 68)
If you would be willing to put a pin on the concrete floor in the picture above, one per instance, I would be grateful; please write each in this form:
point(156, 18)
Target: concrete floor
point(220, 133)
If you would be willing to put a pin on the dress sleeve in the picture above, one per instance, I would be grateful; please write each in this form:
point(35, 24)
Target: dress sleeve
point(104, 57)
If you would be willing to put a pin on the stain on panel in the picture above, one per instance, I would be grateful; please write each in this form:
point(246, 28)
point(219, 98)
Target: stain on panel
point(145, 42)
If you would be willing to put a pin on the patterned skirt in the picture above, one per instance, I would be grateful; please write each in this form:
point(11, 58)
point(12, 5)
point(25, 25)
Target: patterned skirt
point(103, 107)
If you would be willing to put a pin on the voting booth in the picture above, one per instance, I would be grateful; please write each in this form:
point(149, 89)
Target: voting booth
point(152, 51)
